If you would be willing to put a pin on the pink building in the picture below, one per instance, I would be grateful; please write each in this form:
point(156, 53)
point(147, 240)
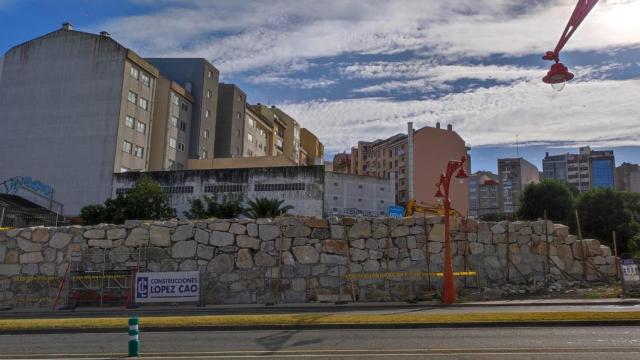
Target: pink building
point(415, 165)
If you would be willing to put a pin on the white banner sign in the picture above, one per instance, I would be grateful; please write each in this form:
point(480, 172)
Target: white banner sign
point(179, 286)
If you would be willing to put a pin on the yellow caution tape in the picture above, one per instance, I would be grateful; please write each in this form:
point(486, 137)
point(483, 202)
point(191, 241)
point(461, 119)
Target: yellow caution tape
point(408, 274)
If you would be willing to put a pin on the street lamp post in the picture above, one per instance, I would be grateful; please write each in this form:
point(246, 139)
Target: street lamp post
point(448, 282)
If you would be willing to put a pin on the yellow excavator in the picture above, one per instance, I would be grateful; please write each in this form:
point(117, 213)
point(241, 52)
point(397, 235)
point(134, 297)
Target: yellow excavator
point(428, 209)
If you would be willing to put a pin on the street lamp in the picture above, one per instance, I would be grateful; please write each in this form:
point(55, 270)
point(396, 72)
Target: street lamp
point(448, 282)
point(559, 74)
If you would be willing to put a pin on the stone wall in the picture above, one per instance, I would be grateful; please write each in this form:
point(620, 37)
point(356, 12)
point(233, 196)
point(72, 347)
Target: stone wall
point(296, 259)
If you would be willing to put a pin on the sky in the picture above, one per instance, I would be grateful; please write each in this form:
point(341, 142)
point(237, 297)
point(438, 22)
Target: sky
point(360, 70)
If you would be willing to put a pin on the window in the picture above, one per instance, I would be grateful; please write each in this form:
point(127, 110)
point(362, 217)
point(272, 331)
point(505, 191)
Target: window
point(251, 122)
point(129, 121)
point(181, 146)
point(133, 97)
point(175, 100)
point(124, 169)
point(134, 73)
point(240, 98)
point(224, 188)
point(206, 113)
point(141, 127)
point(209, 94)
point(174, 122)
point(210, 74)
point(183, 126)
point(185, 106)
point(172, 143)
point(146, 80)
point(178, 189)
point(238, 115)
point(127, 146)
point(237, 132)
point(205, 134)
point(139, 151)
point(204, 154)
point(280, 187)
point(250, 138)
point(144, 103)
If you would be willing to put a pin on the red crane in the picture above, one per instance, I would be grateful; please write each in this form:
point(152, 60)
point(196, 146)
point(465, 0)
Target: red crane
point(558, 74)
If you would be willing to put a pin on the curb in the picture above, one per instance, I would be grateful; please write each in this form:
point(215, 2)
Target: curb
point(503, 324)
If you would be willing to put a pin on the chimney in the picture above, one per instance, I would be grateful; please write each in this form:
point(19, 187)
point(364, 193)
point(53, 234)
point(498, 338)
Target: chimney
point(449, 127)
point(67, 26)
point(438, 125)
point(105, 34)
point(410, 159)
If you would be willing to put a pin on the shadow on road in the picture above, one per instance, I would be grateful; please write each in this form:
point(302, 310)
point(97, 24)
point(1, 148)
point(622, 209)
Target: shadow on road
point(280, 339)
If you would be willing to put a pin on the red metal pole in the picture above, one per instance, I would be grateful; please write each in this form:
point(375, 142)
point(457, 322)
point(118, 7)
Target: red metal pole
point(448, 281)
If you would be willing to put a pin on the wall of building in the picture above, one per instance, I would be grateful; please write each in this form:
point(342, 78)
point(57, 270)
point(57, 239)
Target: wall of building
point(230, 126)
point(313, 147)
point(256, 135)
point(295, 259)
point(60, 100)
point(514, 175)
point(628, 177)
point(299, 186)
point(202, 77)
point(346, 194)
point(433, 148)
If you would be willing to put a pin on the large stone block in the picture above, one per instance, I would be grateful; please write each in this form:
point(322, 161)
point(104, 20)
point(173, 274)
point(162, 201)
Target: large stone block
point(297, 231)
point(360, 230)
point(499, 228)
point(268, 232)
point(485, 237)
point(358, 255)
point(560, 230)
point(26, 245)
point(252, 230)
point(184, 249)
point(221, 264)
point(284, 243)
point(379, 231)
point(417, 255)
point(244, 259)
point(9, 269)
point(121, 254)
point(183, 232)
point(400, 231)
point(321, 233)
point(263, 259)
point(333, 259)
point(316, 223)
point(201, 236)
point(31, 258)
point(40, 235)
point(358, 244)
point(437, 233)
point(219, 238)
point(335, 247)
point(60, 240)
point(219, 225)
point(237, 229)
point(306, 254)
point(245, 241)
point(476, 248)
point(138, 236)
point(160, 236)
point(100, 243)
point(371, 266)
point(204, 252)
point(94, 234)
point(337, 231)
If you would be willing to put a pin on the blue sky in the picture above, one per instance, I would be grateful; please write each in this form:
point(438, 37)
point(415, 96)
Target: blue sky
point(359, 70)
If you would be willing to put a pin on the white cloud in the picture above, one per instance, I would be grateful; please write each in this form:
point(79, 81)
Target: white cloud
point(582, 112)
point(242, 35)
point(292, 82)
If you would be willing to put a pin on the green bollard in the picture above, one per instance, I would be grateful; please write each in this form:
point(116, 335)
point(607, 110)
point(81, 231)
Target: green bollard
point(134, 341)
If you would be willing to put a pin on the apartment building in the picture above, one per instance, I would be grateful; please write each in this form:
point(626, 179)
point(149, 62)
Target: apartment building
point(586, 170)
point(514, 174)
point(342, 163)
point(173, 112)
point(230, 122)
point(415, 162)
point(483, 193)
point(628, 177)
point(76, 107)
point(285, 132)
point(312, 147)
point(259, 132)
point(200, 79)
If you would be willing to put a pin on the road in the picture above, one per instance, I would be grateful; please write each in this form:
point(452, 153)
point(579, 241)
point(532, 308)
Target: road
point(482, 343)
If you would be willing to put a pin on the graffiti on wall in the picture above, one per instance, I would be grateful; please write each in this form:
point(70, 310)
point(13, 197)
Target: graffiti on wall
point(12, 185)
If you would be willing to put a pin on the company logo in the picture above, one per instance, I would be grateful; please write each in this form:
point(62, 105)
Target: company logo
point(142, 287)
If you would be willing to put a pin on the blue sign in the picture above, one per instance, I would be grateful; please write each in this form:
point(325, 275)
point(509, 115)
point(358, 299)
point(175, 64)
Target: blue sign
point(396, 211)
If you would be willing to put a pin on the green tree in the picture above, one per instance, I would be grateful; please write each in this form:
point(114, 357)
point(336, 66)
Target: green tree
point(603, 211)
point(208, 207)
point(266, 208)
point(144, 201)
point(93, 214)
point(551, 195)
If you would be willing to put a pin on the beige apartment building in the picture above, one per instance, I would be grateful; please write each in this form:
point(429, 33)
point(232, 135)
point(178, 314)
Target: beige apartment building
point(415, 162)
point(312, 148)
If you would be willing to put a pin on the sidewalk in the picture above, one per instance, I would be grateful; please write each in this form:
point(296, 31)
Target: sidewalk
point(325, 316)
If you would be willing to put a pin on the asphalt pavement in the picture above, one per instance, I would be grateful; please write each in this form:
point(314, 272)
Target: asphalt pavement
point(470, 343)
